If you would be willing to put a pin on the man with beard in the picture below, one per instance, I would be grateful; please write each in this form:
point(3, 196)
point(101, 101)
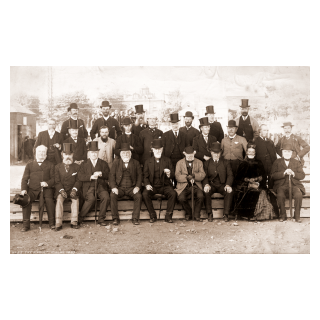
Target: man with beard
point(158, 174)
point(190, 131)
point(106, 146)
point(38, 177)
point(91, 170)
point(125, 180)
point(215, 126)
point(52, 140)
point(128, 137)
point(74, 122)
point(106, 120)
point(67, 186)
point(189, 174)
point(79, 144)
point(202, 142)
point(139, 124)
point(248, 127)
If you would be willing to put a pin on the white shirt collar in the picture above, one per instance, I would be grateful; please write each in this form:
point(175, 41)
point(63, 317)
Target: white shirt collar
point(288, 137)
point(263, 138)
point(188, 128)
point(232, 137)
point(94, 162)
point(245, 118)
point(176, 132)
point(51, 133)
point(73, 118)
point(127, 133)
point(106, 118)
point(206, 135)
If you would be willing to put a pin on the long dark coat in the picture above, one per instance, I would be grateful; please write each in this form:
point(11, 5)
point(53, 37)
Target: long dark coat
point(223, 169)
point(79, 148)
point(201, 147)
point(82, 131)
point(216, 131)
point(134, 141)
point(191, 133)
point(264, 148)
point(111, 123)
point(146, 137)
point(168, 143)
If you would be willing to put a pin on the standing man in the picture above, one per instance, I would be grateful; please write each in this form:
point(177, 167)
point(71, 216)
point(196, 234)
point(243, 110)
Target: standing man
point(158, 176)
point(38, 177)
point(20, 147)
point(202, 142)
point(233, 147)
point(281, 170)
point(106, 120)
point(300, 147)
point(248, 127)
point(215, 126)
point(90, 170)
point(67, 185)
point(28, 148)
point(53, 140)
point(189, 174)
point(219, 178)
point(74, 122)
point(190, 131)
point(139, 124)
point(125, 180)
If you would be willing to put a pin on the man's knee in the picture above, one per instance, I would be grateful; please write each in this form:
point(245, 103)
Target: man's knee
point(60, 198)
point(137, 196)
point(104, 195)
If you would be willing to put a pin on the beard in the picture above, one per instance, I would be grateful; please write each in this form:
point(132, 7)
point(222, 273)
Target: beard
point(244, 113)
point(125, 159)
point(67, 161)
point(104, 139)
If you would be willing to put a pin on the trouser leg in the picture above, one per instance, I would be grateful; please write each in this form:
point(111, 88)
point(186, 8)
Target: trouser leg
point(89, 201)
point(171, 195)
point(26, 212)
point(208, 201)
point(281, 198)
point(147, 198)
point(74, 211)
point(104, 202)
point(59, 210)
point(137, 199)
point(227, 199)
point(297, 196)
point(114, 203)
point(183, 199)
point(50, 209)
point(198, 202)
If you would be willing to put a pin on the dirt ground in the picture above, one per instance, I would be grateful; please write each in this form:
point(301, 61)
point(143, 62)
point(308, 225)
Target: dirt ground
point(184, 237)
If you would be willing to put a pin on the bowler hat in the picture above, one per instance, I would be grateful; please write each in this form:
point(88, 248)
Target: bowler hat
point(232, 123)
point(105, 104)
point(204, 122)
point(125, 146)
point(174, 117)
point(73, 125)
point(189, 114)
point(210, 110)
point(22, 201)
point(125, 121)
point(73, 106)
point(157, 144)
point(139, 108)
point(93, 146)
point(287, 146)
point(244, 103)
point(287, 124)
point(215, 147)
point(189, 150)
point(68, 148)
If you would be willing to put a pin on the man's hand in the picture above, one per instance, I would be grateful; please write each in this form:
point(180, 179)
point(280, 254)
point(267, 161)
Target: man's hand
point(73, 194)
point(57, 145)
point(149, 187)
point(206, 158)
point(131, 148)
point(189, 177)
point(78, 162)
point(23, 192)
point(228, 189)
point(43, 184)
point(252, 180)
point(98, 173)
point(167, 172)
point(115, 190)
point(136, 190)
point(93, 177)
point(206, 188)
point(64, 194)
point(289, 172)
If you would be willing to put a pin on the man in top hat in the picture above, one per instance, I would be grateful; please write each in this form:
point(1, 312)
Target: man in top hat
point(106, 120)
point(147, 136)
point(125, 180)
point(79, 144)
point(215, 126)
point(248, 127)
point(38, 175)
point(91, 170)
point(189, 173)
point(67, 185)
point(203, 141)
point(158, 175)
point(73, 122)
point(300, 147)
point(139, 123)
point(188, 129)
point(174, 141)
point(219, 179)
point(128, 137)
point(281, 170)
point(233, 147)
point(53, 140)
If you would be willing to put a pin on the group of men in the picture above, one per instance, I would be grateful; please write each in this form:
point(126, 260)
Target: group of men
point(141, 162)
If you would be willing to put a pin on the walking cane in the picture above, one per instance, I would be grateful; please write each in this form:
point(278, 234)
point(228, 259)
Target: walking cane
point(160, 198)
point(192, 201)
point(290, 196)
point(95, 205)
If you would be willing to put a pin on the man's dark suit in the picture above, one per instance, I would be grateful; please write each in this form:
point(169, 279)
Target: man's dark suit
point(82, 131)
point(111, 123)
point(146, 136)
point(79, 148)
point(216, 131)
point(191, 133)
point(134, 142)
point(201, 147)
point(137, 129)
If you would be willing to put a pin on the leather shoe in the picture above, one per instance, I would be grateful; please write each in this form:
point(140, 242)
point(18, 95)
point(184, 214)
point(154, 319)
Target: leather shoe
point(58, 228)
point(199, 219)
point(53, 228)
point(281, 220)
point(225, 218)
point(168, 218)
point(152, 220)
point(102, 223)
point(188, 218)
point(299, 221)
point(115, 222)
point(74, 226)
point(135, 221)
point(25, 229)
point(210, 217)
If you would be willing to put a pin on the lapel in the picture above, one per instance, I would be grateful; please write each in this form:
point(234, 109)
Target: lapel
point(120, 166)
point(37, 167)
point(151, 165)
point(203, 142)
point(131, 169)
point(284, 164)
point(162, 166)
point(193, 165)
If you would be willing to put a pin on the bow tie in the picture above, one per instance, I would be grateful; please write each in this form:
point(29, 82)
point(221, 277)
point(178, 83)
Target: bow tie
point(39, 161)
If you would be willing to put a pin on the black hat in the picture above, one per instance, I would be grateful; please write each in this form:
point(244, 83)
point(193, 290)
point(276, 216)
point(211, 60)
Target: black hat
point(287, 124)
point(287, 146)
point(139, 108)
point(105, 104)
point(210, 110)
point(73, 106)
point(93, 146)
point(204, 122)
point(73, 125)
point(174, 117)
point(244, 103)
point(189, 114)
point(22, 201)
point(125, 121)
point(189, 150)
point(232, 123)
point(215, 147)
point(156, 143)
point(125, 146)
point(67, 148)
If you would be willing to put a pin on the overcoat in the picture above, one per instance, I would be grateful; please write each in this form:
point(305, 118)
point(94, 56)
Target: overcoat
point(82, 131)
point(168, 139)
point(146, 136)
point(134, 141)
point(111, 123)
point(201, 147)
point(79, 149)
point(223, 169)
point(216, 131)
point(191, 133)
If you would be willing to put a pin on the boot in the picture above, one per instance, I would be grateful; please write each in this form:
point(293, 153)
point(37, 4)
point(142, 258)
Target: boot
point(226, 218)
point(168, 218)
point(210, 217)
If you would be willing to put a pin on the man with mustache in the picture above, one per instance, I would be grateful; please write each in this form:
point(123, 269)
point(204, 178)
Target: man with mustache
point(215, 126)
point(188, 129)
point(139, 123)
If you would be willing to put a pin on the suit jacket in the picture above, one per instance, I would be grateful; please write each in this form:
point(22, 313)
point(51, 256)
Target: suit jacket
point(79, 149)
point(111, 123)
point(264, 148)
point(137, 129)
point(191, 133)
point(116, 173)
point(86, 170)
point(146, 137)
point(182, 172)
point(216, 130)
point(66, 180)
point(199, 144)
point(278, 169)
point(82, 132)
point(134, 141)
point(168, 143)
point(223, 169)
point(254, 124)
point(148, 170)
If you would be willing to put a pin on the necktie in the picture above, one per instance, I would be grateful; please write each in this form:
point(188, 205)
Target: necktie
point(75, 140)
point(176, 134)
point(206, 138)
point(67, 167)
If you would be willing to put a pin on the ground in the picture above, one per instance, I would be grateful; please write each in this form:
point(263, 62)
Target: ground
point(160, 237)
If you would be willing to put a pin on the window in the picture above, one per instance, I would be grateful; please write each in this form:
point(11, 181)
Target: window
point(24, 121)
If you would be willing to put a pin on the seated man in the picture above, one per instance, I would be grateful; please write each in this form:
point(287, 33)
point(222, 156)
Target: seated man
point(38, 177)
point(219, 178)
point(189, 171)
point(94, 171)
point(282, 169)
point(157, 173)
point(67, 185)
point(125, 180)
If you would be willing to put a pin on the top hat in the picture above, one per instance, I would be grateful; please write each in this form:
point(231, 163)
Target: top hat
point(210, 110)
point(204, 122)
point(93, 146)
point(244, 103)
point(232, 123)
point(139, 108)
point(174, 117)
point(105, 104)
point(125, 146)
point(189, 150)
point(67, 148)
point(73, 125)
point(287, 146)
point(215, 147)
point(125, 121)
point(73, 106)
point(156, 144)
point(189, 114)
point(287, 124)
point(22, 201)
